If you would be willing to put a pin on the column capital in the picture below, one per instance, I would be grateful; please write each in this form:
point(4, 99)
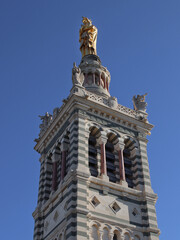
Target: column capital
point(120, 144)
point(102, 138)
point(55, 155)
point(64, 144)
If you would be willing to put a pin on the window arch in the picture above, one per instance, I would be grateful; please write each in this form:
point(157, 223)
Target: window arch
point(126, 236)
point(136, 237)
point(60, 237)
point(105, 234)
point(115, 237)
point(94, 234)
point(111, 157)
point(128, 162)
point(93, 163)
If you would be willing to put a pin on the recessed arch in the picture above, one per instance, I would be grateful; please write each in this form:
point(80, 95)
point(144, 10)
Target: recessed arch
point(136, 237)
point(93, 124)
point(117, 235)
point(95, 232)
point(105, 233)
point(127, 236)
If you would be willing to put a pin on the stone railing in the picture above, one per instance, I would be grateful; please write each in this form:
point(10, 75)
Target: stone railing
point(108, 102)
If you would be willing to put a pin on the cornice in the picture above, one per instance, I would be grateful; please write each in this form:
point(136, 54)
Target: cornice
point(98, 105)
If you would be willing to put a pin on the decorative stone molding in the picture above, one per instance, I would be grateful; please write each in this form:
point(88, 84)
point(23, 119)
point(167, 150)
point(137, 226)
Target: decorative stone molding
point(50, 124)
point(122, 233)
point(94, 201)
point(120, 144)
point(115, 207)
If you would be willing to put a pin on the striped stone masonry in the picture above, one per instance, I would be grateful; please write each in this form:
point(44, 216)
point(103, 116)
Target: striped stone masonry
point(145, 165)
point(94, 177)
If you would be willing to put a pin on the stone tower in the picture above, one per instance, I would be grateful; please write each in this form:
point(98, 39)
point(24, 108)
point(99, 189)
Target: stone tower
point(94, 176)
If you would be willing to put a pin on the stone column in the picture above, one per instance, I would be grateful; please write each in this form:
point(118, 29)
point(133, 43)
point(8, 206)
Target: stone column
point(120, 147)
point(64, 147)
point(102, 142)
point(55, 158)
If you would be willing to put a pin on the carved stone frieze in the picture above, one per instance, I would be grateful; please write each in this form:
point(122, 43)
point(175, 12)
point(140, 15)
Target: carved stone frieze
point(107, 123)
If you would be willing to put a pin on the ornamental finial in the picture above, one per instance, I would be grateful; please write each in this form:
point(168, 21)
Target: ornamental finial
point(87, 37)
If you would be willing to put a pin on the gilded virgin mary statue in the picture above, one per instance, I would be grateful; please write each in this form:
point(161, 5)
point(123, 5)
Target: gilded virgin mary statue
point(87, 37)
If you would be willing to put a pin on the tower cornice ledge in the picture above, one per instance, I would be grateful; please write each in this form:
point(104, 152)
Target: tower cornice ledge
point(97, 105)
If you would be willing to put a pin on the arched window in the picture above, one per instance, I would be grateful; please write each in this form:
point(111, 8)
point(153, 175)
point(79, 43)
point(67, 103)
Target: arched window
point(90, 78)
point(128, 163)
point(58, 165)
point(115, 237)
point(94, 234)
point(97, 80)
point(105, 234)
point(93, 164)
point(111, 157)
point(126, 236)
point(136, 237)
point(110, 162)
point(103, 80)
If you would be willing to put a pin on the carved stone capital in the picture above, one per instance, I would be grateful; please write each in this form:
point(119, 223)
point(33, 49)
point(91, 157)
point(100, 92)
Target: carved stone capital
point(102, 139)
point(55, 155)
point(120, 144)
point(64, 145)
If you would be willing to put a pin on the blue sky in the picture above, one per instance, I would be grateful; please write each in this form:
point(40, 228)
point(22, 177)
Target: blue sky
point(139, 43)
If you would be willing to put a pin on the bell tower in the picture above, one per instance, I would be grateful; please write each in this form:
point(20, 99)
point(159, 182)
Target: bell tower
point(94, 178)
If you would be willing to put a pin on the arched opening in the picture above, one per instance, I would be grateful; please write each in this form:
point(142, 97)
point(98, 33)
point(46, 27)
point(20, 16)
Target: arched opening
point(137, 237)
point(110, 157)
point(105, 234)
point(126, 236)
point(128, 163)
point(58, 151)
point(103, 80)
point(93, 163)
point(116, 235)
point(97, 80)
point(94, 233)
point(89, 78)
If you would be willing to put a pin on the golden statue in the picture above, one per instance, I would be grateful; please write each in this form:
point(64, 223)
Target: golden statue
point(87, 37)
